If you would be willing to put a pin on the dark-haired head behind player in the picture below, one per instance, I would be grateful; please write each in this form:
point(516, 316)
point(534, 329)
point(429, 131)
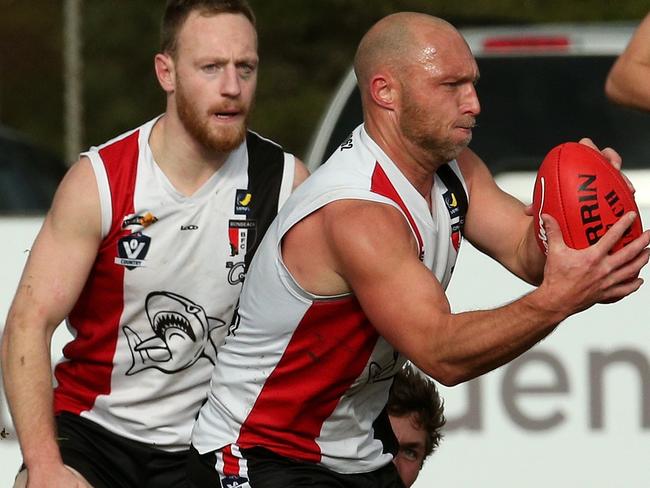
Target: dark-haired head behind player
point(416, 414)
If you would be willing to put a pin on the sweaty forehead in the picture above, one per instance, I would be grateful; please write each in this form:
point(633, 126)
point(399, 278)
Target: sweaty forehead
point(438, 53)
point(428, 58)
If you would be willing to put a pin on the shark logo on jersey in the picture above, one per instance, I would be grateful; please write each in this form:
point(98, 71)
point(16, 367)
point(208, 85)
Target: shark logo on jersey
point(182, 332)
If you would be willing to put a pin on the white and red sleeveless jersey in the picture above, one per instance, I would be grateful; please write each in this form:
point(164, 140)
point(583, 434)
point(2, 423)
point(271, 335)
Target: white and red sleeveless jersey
point(161, 293)
point(306, 376)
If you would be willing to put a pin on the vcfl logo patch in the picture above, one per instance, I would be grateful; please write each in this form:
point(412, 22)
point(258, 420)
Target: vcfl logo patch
point(241, 234)
point(452, 204)
point(243, 200)
point(132, 250)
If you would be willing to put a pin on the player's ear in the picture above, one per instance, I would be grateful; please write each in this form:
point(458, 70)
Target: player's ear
point(382, 91)
point(165, 71)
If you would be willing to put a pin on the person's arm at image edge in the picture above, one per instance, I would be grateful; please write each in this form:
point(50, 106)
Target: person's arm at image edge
point(628, 82)
point(52, 280)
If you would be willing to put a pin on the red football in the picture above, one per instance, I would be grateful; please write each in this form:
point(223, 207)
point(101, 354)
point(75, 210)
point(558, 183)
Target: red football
point(578, 187)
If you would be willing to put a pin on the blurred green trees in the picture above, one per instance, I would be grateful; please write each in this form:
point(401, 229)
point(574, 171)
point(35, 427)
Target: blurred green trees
point(305, 47)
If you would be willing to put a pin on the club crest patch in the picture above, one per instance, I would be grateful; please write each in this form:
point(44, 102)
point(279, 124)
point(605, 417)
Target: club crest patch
point(456, 236)
point(132, 249)
point(243, 200)
point(242, 235)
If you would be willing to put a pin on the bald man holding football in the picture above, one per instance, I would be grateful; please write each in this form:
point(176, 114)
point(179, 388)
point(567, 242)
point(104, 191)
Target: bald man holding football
point(350, 279)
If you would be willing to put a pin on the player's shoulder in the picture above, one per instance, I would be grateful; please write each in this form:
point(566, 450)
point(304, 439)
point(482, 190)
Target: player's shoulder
point(77, 199)
point(79, 175)
point(468, 161)
point(473, 169)
point(365, 234)
point(357, 216)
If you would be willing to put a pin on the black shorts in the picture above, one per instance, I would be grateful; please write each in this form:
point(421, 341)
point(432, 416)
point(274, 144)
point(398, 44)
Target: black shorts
point(107, 460)
point(268, 470)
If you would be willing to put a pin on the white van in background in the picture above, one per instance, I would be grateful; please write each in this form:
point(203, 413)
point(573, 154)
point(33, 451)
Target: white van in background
point(574, 411)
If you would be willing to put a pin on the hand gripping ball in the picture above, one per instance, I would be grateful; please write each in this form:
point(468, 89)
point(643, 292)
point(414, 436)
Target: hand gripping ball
point(580, 188)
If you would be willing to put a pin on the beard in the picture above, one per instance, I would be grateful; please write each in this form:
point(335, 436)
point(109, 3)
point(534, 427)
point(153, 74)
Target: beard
point(197, 123)
point(416, 125)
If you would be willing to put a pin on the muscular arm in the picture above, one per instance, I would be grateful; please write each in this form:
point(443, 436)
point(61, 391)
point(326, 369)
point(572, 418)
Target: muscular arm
point(54, 275)
point(628, 82)
point(497, 223)
point(378, 262)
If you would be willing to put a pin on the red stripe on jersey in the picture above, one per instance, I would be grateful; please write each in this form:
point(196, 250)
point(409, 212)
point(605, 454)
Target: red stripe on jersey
point(327, 352)
point(230, 462)
point(96, 316)
point(381, 185)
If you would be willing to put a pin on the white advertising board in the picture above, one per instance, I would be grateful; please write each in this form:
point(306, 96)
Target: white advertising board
point(574, 411)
